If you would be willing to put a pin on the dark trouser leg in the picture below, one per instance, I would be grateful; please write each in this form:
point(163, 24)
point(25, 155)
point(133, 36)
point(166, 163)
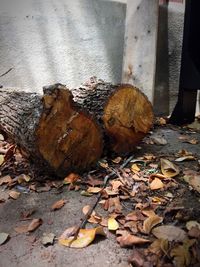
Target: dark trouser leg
point(184, 111)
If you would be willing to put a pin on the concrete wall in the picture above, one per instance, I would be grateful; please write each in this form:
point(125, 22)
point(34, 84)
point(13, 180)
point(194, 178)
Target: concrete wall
point(67, 41)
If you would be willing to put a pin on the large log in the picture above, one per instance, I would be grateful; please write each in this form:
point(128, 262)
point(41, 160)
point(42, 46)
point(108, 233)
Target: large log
point(125, 112)
point(52, 129)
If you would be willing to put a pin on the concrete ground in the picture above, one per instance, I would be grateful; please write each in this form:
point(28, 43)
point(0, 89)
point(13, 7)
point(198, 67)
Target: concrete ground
point(26, 249)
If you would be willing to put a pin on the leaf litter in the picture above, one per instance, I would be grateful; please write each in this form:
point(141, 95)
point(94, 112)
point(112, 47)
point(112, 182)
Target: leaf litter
point(135, 204)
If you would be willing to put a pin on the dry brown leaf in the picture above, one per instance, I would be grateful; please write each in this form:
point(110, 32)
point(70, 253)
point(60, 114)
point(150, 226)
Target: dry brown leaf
point(117, 160)
point(135, 215)
point(148, 212)
point(168, 168)
point(150, 222)
point(104, 222)
point(193, 179)
point(157, 175)
point(5, 180)
point(132, 225)
point(116, 184)
point(71, 178)
point(94, 190)
point(21, 229)
point(14, 194)
point(128, 240)
point(85, 237)
point(58, 205)
point(169, 232)
point(159, 246)
point(103, 164)
point(191, 224)
point(181, 253)
point(112, 224)
point(156, 184)
point(86, 209)
point(35, 223)
point(185, 158)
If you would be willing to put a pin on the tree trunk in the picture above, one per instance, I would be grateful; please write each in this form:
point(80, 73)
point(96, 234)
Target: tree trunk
point(52, 129)
point(124, 111)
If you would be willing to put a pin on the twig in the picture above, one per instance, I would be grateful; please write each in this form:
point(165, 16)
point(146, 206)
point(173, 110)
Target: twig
point(88, 214)
point(6, 72)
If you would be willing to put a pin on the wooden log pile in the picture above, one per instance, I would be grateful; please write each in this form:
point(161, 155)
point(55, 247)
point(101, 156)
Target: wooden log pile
point(65, 131)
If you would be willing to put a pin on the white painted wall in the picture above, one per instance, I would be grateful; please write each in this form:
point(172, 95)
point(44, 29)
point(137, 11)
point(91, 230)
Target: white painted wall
point(67, 41)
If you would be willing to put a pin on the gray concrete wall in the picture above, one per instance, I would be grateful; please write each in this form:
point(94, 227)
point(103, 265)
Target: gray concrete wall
point(67, 41)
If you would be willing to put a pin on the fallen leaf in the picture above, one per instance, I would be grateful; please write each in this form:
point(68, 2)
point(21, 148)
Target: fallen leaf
point(22, 229)
point(86, 209)
point(159, 140)
point(5, 180)
point(136, 258)
point(185, 158)
point(156, 184)
point(162, 121)
point(14, 194)
point(181, 253)
point(157, 175)
point(85, 237)
point(169, 232)
point(1, 137)
point(135, 215)
point(193, 179)
point(71, 178)
point(103, 164)
point(191, 224)
point(150, 222)
point(3, 238)
point(1, 159)
point(104, 222)
point(112, 224)
point(127, 240)
point(94, 190)
point(193, 141)
point(58, 204)
point(194, 232)
point(168, 168)
point(132, 225)
point(159, 246)
point(117, 160)
point(35, 223)
point(85, 194)
point(116, 184)
point(148, 212)
point(48, 239)
point(135, 168)
point(23, 178)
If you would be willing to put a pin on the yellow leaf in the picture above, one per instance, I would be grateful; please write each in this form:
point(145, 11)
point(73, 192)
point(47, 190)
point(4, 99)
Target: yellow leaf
point(14, 194)
point(112, 224)
point(135, 168)
point(150, 222)
point(168, 168)
point(23, 178)
point(1, 159)
point(156, 184)
point(85, 237)
point(94, 190)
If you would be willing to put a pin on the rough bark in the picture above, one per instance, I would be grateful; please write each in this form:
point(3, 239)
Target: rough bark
point(124, 111)
point(52, 129)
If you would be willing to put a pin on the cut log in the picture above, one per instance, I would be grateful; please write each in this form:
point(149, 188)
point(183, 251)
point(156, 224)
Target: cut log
point(125, 112)
point(52, 129)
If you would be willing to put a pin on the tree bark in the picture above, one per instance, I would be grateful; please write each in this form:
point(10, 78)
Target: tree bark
point(124, 111)
point(52, 129)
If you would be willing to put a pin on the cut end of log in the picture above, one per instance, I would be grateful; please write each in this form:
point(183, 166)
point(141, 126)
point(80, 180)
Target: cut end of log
point(128, 117)
point(69, 140)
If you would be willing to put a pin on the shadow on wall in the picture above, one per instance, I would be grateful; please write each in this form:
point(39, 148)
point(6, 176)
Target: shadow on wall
point(60, 41)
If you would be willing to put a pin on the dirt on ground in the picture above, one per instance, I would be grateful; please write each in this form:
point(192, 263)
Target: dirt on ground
point(147, 214)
